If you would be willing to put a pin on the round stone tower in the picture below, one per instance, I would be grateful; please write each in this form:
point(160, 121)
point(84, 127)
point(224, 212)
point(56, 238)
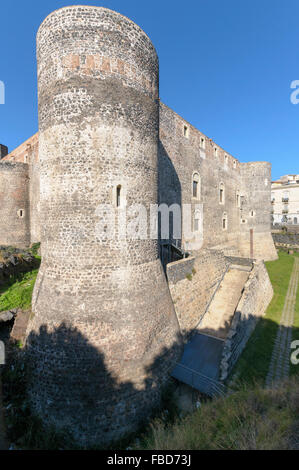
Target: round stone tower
point(104, 334)
point(14, 209)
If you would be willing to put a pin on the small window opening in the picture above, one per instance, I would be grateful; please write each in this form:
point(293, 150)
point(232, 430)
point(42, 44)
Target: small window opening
point(224, 221)
point(186, 131)
point(118, 195)
point(202, 142)
point(226, 159)
point(196, 186)
point(20, 213)
point(221, 193)
point(235, 164)
point(215, 151)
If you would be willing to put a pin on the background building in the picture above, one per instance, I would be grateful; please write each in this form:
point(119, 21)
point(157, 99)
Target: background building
point(285, 200)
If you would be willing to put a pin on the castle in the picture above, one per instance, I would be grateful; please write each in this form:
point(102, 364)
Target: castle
point(107, 323)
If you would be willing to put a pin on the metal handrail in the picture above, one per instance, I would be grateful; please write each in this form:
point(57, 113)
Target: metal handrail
point(218, 387)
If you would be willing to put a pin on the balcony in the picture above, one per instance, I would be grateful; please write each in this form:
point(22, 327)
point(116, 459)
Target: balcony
point(285, 211)
point(273, 201)
point(285, 199)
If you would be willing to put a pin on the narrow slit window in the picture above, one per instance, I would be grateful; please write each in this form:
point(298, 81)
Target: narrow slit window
point(224, 221)
point(186, 131)
point(118, 196)
point(221, 193)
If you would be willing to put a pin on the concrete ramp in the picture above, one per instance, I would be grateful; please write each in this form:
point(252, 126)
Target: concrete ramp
point(217, 319)
point(199, 366)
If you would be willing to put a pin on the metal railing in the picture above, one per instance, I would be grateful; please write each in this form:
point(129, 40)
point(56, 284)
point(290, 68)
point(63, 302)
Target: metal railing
point(205, 384)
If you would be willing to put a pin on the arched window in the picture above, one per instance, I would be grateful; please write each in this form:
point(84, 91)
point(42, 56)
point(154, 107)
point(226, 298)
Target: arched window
point(224, 221)
point(196, 186)
point(295, 220)
point(238, 199)
point(221, 193)
point(196, 225)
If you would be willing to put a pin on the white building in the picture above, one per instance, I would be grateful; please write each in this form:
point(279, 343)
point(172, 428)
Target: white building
point(285, 200)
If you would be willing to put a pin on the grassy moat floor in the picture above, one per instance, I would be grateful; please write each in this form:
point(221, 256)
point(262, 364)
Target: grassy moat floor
point(252, 417)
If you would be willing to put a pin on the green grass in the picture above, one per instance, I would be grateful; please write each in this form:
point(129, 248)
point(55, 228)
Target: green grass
point(294, 369)
point(18, 292)
point(254, 362)
point(252, 418)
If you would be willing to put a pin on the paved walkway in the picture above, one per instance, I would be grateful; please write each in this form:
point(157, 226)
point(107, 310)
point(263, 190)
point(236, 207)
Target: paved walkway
point(280, 361)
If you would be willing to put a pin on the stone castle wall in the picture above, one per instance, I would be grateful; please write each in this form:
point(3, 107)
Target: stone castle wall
point(15, 209)
point(179, 158)
point(255, 211)
point(192, 283)
point(27, 154)
point(106, 343)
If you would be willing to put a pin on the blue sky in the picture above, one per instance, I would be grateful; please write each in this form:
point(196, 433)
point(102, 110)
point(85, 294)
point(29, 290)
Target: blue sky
point(225, 66)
